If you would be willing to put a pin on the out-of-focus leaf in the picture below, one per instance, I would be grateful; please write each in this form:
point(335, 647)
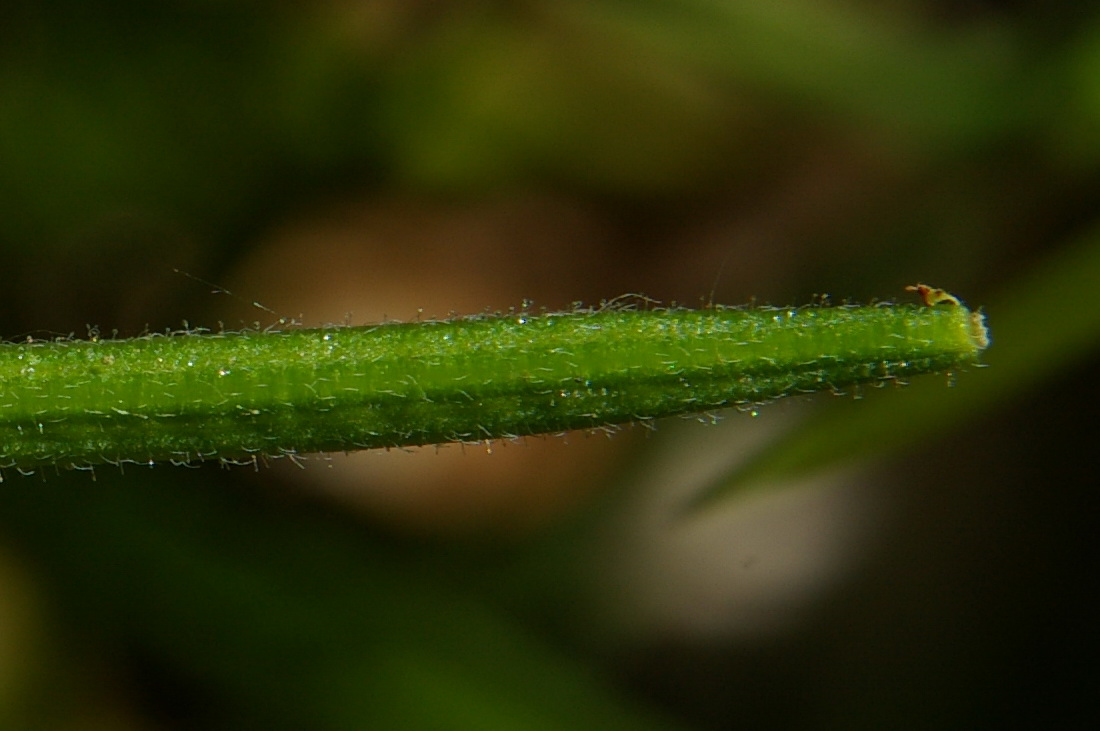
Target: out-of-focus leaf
point(1039, 326)
point(1073, 132)
point(936, 90)
point(491, 101)
point(279, 616)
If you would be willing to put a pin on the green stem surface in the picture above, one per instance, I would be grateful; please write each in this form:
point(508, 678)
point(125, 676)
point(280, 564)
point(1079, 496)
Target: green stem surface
point(240, 396)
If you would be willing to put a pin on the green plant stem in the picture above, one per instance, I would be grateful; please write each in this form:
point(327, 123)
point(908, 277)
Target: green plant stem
point(241, 396)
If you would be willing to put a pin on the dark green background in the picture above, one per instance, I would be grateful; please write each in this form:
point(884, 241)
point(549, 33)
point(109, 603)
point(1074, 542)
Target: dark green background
point(712, 150)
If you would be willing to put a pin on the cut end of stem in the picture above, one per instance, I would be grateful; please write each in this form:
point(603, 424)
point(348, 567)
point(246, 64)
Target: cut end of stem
point(979, 333)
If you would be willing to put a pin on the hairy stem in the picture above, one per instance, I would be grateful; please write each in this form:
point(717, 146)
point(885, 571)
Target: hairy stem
point(239, 396)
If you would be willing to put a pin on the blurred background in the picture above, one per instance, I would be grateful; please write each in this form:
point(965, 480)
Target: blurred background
point(923, 560)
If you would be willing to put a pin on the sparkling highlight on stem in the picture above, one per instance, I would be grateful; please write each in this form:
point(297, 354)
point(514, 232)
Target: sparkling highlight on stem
point(250, 395)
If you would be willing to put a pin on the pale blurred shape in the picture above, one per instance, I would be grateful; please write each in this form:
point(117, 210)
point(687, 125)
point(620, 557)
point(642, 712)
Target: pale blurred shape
point(748, 568)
